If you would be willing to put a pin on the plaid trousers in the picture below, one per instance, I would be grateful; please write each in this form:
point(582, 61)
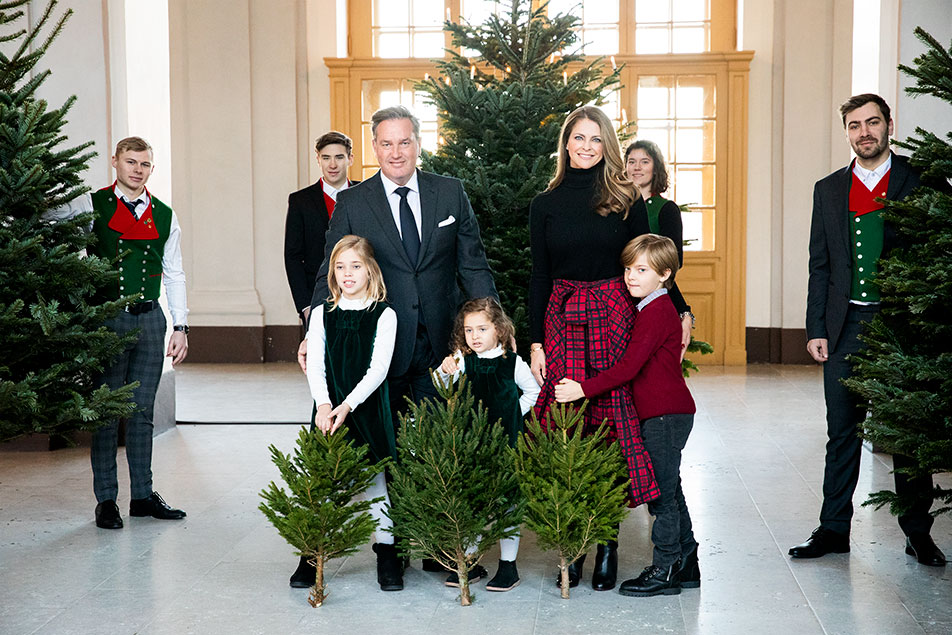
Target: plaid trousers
point(587, 327)
point(141, 361)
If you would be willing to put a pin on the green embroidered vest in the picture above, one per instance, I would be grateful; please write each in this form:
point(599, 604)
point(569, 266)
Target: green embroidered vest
point(135, 247)
point(866, 237)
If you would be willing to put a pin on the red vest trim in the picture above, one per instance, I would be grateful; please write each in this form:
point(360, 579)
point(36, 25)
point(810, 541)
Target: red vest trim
point(129, 228)
point(862, 200)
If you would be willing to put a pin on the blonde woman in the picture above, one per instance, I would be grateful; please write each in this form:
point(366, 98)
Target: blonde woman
point(580, 313)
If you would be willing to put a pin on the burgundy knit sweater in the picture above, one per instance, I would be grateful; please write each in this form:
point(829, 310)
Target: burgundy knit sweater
point(652, 364)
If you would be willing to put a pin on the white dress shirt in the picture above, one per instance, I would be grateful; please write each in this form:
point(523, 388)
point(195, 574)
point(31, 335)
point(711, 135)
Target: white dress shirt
point(871, 177)
point(413, 198)
point(522, 376)
point(332, 191)
point(380, 358)
point(173, 275)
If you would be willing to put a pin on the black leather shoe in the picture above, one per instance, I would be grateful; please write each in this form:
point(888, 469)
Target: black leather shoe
point(606, 566)
point(653, 581)
point(389, 567)
point(575, 573)
point(477, 573)
point(925, 550)
point(154, 506)
point(433, 566)
point(107, 515)
point(821, 542)
point(690, 573)
point(304, 576)
point(506, 578)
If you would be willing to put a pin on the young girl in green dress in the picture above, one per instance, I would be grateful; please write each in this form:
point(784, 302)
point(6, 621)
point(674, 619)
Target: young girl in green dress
point(482, 337)
point(349, 345)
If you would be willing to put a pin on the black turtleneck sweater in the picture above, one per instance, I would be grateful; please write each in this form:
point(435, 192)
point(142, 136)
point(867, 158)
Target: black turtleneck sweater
point(571, 241)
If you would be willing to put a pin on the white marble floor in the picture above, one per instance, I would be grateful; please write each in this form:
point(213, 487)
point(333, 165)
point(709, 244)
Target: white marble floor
point(752, 472)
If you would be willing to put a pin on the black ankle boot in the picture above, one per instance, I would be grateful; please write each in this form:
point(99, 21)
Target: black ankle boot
point(690, 573)
point(575, 573)
point(304, 576)
point(606, 566)
point(389, 567)
point(654, 581)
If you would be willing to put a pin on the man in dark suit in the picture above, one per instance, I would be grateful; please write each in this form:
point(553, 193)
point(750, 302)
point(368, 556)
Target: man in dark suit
point(309, 211)
point(847, 238)
point(426, 241)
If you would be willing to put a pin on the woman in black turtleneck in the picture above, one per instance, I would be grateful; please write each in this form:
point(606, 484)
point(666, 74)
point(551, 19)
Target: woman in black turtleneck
point(580, 312)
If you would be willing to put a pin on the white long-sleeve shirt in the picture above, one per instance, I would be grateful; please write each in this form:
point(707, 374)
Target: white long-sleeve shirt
point(380, 358)
point(173, 275)
point(522, 376)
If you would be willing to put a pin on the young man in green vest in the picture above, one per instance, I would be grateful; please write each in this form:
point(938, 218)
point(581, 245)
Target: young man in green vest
point(847, 238)
point(142, 235)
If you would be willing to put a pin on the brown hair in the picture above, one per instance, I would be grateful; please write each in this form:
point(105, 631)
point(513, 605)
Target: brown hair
point(614, 192)
point(659, 175)
point(660, 252)
point(505, 330)
point(133, 144)
point(858, 101)
point(332, 137)
point(376, 289)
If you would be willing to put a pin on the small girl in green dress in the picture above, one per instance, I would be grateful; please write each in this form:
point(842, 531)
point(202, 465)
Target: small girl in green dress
point(503, 382)
point(349, 346)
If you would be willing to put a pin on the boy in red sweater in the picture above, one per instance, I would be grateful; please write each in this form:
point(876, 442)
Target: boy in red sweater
point(652, 368)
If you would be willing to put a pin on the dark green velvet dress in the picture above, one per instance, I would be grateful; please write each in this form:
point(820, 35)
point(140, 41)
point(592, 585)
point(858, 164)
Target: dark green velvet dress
point(493, 382)
point(350, 341)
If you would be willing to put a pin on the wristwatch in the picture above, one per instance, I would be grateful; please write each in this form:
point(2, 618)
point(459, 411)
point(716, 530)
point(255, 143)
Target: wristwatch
point(181, 327)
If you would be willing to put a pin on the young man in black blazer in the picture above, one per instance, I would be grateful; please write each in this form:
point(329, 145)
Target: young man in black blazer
point(847, 239)
point(309, 211)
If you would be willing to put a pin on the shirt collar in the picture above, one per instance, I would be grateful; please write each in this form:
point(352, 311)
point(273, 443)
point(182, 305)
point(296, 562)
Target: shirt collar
point(142, 198)
point(389, 186)
point(876, 173)
point(351, 304)
point(332, 191)
point(491, 353)
point(645, 301)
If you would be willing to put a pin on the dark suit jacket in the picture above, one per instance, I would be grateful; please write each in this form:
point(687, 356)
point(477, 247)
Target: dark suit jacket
point(451, 252)
point(304, 232)
point(828, 291)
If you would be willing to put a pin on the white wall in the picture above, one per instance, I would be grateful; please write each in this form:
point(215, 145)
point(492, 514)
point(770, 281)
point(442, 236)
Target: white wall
point(927, 112)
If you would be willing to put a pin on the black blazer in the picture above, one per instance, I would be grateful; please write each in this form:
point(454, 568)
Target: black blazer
point(427, 291)
point(304, 232)
point(828, 290)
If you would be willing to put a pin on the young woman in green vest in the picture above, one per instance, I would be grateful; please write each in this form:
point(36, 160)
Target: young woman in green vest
point(645, 167)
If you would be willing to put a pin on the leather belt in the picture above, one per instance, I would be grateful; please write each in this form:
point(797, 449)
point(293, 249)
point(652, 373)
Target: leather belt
point(138, 308)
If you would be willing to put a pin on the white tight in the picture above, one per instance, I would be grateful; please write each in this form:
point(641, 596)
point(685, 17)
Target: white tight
point(384, 524)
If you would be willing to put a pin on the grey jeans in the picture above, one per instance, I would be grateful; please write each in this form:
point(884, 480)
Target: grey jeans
point(664, 438)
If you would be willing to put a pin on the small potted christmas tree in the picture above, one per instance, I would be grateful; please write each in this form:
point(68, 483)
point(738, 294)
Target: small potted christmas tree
point(319, 517)
point(455, 493)
point(574, 486)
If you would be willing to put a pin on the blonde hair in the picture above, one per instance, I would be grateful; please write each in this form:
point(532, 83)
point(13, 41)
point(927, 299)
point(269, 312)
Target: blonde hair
point(376, 289)
point(660, 252)
point(132, 144)
point(614, 192)
point(505, 331)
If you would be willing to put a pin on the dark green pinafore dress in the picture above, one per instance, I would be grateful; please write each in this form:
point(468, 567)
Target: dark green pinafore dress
point(350, 343)
point(492, 382)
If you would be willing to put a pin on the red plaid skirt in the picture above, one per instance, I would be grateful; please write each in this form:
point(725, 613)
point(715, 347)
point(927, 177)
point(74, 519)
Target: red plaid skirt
point(587, 327)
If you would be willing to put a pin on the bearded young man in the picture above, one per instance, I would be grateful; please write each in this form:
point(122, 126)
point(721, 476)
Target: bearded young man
point(847, 238)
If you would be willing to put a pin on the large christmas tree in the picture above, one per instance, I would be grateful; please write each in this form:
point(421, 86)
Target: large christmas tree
point(904, 372)
point(500, 112)
point(54, 341)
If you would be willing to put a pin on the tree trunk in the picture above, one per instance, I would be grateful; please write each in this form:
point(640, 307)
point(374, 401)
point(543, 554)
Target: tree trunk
point(317, 594)
point(564, 572)
point(465, 598)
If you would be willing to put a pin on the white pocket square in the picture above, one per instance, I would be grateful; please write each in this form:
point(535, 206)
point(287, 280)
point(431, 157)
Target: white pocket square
point(449, 221)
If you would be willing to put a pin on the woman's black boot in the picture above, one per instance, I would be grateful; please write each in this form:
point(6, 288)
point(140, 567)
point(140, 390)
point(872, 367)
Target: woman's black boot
point(606, 566)
point(575, 573)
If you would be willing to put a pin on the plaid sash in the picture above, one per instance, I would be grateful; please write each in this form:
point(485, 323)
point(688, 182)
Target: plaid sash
point(587, 327)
